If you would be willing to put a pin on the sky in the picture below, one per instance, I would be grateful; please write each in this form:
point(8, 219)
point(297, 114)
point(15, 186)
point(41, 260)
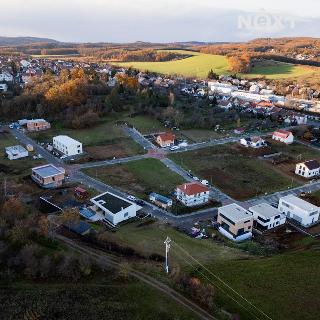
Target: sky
point(159, 20)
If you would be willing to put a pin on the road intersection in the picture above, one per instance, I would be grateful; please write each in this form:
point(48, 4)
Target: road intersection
point(76, 175)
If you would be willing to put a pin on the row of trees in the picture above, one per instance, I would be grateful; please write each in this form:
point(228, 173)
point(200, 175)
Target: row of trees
point(144, 55)
point(24, 242)
point(240, 63)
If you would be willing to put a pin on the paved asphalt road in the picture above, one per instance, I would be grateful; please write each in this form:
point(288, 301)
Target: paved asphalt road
point(110, 162)
point(148, 208)
point(184, 221)
point(24, 139)
point(139, 138)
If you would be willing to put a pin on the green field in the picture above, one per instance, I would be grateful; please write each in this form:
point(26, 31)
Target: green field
point(102, 141)
point(104, 298)
point(278, 70)
point(199, 64)
point(145, 124)
point(284, 285)
point(139, 177)
point(239, 175)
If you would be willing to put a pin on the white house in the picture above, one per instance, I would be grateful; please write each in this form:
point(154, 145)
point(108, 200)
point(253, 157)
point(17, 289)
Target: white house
point(308, 169)
point(254, 88)
point(299, 210)
point(192, 194)
point(3, 87)
point(253, 142)
point(266, 217)
point(222, 88)
point(16, 152)
point(114, 208)
point(6, 76)
point(234, 222)
point(67, 145)
point(283, 136)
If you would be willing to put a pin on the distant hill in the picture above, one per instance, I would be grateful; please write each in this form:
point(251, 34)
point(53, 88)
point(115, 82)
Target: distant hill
point(20, 41)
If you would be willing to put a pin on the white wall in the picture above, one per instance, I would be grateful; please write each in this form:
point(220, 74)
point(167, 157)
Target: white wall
point(298, 214)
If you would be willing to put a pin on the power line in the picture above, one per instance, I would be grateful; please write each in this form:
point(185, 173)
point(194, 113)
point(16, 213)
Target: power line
point(220, 288)
point(219, 279)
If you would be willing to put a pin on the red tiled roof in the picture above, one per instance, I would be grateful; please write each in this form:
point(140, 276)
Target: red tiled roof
point(192, 188)
point(167, 136)
point(282, 133)
point(264, 104)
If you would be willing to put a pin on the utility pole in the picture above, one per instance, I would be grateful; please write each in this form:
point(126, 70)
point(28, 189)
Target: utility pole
point(167, 243)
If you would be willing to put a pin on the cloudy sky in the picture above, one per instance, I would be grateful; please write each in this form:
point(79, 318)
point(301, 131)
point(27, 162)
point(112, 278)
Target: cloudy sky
point(159, 20)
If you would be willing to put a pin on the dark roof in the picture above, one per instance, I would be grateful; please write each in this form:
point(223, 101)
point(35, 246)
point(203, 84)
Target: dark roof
point(80, 228)
point(111, 202)
point(312, 164)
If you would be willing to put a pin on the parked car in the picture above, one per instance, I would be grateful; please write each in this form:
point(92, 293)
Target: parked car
point(174, 148)
point(132, 198)
point(139, 202)
point(196, 178)
point(205, 182)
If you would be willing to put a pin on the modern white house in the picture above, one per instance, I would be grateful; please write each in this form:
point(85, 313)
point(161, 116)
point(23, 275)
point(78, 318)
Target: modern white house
point(234, 222)
point(67, 145)
point(299, 210)
point(16, 152)
point(192, 194)
point(114, 208)
point(266, 217)
point(253, 142)
point(283, 136)
point(308, 169)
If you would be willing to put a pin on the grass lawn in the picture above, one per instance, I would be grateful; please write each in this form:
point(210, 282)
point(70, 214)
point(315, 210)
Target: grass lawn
point(238, 175)
point(139, 177)
point(200, 135)
point(15, 169)
point(199, 64)
point(148, 239)
point(284, 286)
point(103, 141)
point(291, 155)
point(145, 124)
point(295, 150)
point(278, 70)
point(103, 298)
